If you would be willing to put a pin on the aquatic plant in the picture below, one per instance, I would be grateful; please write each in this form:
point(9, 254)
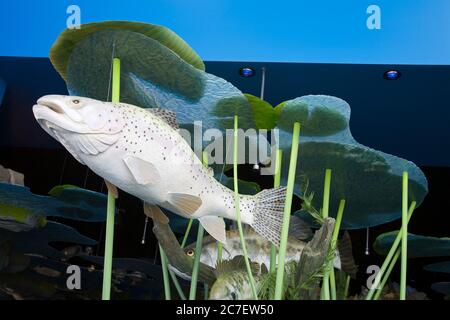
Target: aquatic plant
point(442, 267)
point(287, 212)
point(37, 241)
point(331, 145)
point(419, 246)
point(159, 70)
point(67, 201)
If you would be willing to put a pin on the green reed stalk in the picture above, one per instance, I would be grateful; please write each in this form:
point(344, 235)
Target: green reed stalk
point(219, 251)
point(336, 229)
point(325, 209)
point(276, 184)
point(198, 248)
point(238, 211)
point(186, 234)
point(347, 286)
point(404, 232)
point(177, 285)
point(389, 256)
point(165, 271)
point(111, 206)
point(287, 213)
point(387, 274)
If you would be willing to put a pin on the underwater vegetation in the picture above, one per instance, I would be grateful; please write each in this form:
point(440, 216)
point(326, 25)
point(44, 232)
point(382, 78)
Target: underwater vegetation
point(158, 85)
point(65, 201)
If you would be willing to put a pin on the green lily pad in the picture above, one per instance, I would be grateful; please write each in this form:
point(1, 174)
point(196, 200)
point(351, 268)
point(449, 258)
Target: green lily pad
point(441, 287)
point(442, 267)
point(264, 113)
point(36, 241)
point(19, 219)
point(418, 246)
point(152, 75)
point(318, 115)
point(57, 190)
point(244, 187)
point(22, 206)
point(369, 180)
point(67, 40)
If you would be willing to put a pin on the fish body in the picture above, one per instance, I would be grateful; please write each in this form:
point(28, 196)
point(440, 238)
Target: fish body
point(258, 248)
point(142, 152)
point(234, 286)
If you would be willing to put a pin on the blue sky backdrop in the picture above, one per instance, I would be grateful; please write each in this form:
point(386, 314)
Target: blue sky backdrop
point(412, 32)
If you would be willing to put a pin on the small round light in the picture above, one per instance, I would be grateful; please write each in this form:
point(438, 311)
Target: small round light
point(392, 75)
point(247, 72)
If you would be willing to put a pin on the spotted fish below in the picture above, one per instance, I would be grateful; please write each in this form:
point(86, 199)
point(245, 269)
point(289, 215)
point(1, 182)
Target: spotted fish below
point(142, 152)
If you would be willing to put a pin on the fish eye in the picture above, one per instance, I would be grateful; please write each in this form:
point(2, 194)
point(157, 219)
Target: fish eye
point(190, 253)
point(75, 101)
point(233, 296)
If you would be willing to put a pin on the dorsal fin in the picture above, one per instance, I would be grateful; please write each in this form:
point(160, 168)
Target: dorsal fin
point(344, 246)
point(168, 116)
point(299, 229)
point(236, 264)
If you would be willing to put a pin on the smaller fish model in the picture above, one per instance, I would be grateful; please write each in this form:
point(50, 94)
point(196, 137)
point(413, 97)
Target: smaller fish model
point(233, 282)
point(300, 276)
point(179, 262)
point(259, 249)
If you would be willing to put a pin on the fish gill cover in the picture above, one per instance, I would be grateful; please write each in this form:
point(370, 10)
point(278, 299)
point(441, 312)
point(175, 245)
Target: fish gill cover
point(369, 180)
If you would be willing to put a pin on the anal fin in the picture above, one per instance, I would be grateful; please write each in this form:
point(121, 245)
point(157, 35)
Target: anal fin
point(112, 188)
point(155, 213)
point(215, 226)
point(186, 203)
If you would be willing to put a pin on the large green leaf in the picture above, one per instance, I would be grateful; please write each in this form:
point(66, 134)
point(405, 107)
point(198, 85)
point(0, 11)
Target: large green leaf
point(19, 204)
point(152, 75)
point(263, 112)
point(37, 241)
point(442, 267)
point(67, 40)
point(418, 246)
point(369, 180)
point(442, 287)
point(318, 115)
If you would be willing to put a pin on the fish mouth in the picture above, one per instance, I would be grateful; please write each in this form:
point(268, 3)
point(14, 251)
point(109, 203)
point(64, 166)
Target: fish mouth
point(52, 116)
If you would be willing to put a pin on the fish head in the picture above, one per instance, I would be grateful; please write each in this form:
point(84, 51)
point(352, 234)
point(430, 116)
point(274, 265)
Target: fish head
point(82, 125)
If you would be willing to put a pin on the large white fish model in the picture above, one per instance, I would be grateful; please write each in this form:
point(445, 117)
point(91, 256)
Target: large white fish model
point(141, 152)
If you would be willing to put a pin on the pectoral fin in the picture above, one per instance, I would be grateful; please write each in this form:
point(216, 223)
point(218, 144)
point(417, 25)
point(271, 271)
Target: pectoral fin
point(154, 212)
point(215, 226)
point(143, 171)
point(185, 203)
point(112, 188)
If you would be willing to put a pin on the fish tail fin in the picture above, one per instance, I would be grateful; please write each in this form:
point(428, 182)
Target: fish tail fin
point(268, 213)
